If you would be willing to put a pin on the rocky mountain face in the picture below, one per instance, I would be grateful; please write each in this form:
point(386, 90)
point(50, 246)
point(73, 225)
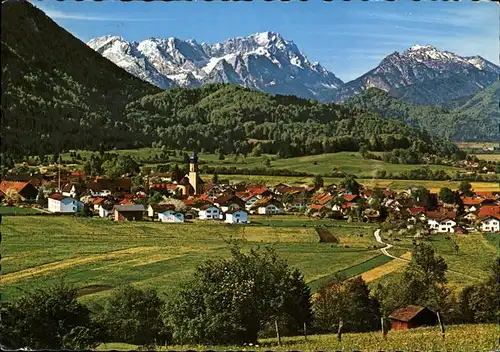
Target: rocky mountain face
point(425, 75)
point(265, 61)
point(262, 61)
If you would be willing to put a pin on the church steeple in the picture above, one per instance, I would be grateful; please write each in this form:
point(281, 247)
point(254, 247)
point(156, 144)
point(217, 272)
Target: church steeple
point(193, 162)
point(195, 180)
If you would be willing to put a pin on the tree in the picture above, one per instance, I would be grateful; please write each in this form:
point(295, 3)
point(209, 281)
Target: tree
point(134, 316)
point(350, 184)
point(48, 319)
point(267, 162)
point(215, 178)
point(420, 194)
point(222, 156)
point(447, 195)
point(257, 150)
point(465, 188)
point(318, 182)
point(480, 303)
point(422, 283)
point(230, 300)
point(155, 197)
point(349, 302)
point(40, 198)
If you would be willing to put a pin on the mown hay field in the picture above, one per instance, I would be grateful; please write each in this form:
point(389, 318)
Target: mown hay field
point(458, 338)
point(97, 255)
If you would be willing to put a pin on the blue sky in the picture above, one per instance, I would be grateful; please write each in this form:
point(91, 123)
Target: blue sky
point(348, 38)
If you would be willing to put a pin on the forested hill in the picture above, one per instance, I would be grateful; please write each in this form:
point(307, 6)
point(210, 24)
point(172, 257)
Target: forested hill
point(227, 118)
point(57, 93)
point(474, 120)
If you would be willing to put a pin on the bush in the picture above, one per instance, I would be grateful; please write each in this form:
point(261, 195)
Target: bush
point(48, 319)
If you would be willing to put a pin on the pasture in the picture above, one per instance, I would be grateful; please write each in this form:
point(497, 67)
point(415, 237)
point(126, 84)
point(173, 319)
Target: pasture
point(17, 210)
point(96, 255)
point(458, 338)
point(323, 164)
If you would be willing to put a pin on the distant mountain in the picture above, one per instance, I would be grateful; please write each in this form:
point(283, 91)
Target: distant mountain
point(476, 119)
point(425, 75)
point(262, 61)
point(265, 61)
point(56, 92)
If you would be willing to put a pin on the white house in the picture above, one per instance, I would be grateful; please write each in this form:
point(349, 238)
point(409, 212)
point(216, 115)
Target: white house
point(267, 206)
point(236, 216)
point(62, 204)
point(171, 216)
point(105, 210)
point(249, 201)
point(209, 212)
point(155, 209)
point(490, 224)
point(442, 225)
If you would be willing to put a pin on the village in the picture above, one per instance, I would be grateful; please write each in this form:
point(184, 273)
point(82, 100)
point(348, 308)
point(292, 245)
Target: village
point(171, 198)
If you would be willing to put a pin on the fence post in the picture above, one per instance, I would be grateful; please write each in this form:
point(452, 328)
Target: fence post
point(441, 325)
point(384, 331)
point(277, 331)
point(339, 333)
point(305, 331)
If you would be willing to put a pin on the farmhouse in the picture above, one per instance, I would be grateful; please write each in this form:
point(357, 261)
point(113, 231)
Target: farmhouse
point(442, 222)
point(25, 190)
point(412, 317)
point(229, 202)
point(155, 209)
point(209, 212)
point(129, 212)
point(490, 224)
point(170, 215)
point(236, 216)
point(63, 204)
point(267, 206)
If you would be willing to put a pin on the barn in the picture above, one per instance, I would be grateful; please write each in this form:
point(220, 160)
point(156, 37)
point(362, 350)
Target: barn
point(412, 317)
point(129, 212)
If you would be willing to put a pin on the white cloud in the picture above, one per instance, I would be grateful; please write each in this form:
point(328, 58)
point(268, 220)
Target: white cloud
point(60, 15)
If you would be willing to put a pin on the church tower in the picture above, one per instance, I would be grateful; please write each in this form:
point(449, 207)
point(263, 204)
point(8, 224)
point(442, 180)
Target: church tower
point(194, 179)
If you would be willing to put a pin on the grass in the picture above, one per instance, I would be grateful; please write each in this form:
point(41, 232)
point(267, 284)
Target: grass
point(97, 254)
point(348, 162)
point(469, 337)
point(489, 157)
point(17, 210)
point(470, 264)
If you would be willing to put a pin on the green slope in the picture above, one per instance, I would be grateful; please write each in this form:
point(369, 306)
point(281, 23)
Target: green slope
point(57, 92)
point(475, 119)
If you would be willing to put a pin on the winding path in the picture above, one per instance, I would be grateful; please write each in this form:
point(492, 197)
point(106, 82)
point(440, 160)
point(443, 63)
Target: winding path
point(387, 246)
point(377, 232)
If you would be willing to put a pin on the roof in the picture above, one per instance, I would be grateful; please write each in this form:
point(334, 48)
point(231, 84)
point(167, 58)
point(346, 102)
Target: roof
point(442, 215)
point(406, 314)
point(206, 206)
point(184, 181)
point(5, 186)
point(168, 186)
point(323, 198)
point(162, 207)
point(229, 199)
point(416, 210)
point(57, 196)
point(489, 210)
point(232, 211)
point(98, 201)
point(473, 201)
point(316, 206)
point(350, 197)
point(135, 207)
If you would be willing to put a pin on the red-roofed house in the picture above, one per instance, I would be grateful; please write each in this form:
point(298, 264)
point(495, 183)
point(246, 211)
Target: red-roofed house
point(25, 190)
point(490, 224)
point(489, 210)
point(62, 204)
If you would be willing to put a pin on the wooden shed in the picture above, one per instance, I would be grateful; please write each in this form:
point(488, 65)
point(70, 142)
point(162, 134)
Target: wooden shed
point(412, 317)
point(129, 212)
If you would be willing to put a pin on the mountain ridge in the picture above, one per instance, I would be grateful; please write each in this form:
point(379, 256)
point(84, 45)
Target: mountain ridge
point(266, 61)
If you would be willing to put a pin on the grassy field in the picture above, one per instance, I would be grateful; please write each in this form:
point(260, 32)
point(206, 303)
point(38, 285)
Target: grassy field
point(470, 264)
point(458, 338)
point(475, 145)
point(97, 255)
point(18, 210)
point(348, 162)
point(489, 157)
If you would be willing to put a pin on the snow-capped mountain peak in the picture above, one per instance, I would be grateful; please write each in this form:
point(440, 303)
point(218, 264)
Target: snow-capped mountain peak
point(263, 60)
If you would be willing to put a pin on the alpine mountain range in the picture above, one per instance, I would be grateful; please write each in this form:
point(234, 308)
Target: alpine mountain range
point(267, 62)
